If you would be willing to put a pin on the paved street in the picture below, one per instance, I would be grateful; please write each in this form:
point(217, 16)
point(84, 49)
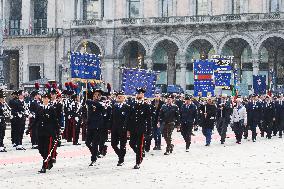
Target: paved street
point(249, 165)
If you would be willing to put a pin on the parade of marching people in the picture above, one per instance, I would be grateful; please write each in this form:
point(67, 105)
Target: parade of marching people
point(98, 116)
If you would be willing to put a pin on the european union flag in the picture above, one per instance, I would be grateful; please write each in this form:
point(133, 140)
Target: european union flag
point(85, 66)
point(134, 78)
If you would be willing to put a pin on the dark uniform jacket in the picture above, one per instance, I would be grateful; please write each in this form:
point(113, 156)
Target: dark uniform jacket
point(96, 113)
point(279, 111)
point(188, 114)
point(46, 121)
point(156, 111)
point(209, 120)
point(170, 113)
point(268, 111)
point(120, 116)
point(254, 113)
point(140, 118)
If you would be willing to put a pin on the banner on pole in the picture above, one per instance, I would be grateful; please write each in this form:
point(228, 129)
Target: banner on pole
point(85, 66)
point(134, 78)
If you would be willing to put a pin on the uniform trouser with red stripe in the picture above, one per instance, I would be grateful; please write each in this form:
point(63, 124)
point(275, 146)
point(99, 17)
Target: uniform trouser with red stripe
point(45, 145)
point(136, 143)
point(69, 129)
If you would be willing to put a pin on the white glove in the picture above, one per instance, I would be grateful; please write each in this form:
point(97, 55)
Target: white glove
point(20, 115)
point(76, 119)
point(69, 117)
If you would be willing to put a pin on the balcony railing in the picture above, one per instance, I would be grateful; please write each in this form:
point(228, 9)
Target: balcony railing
point(36, 32)
point(184, 20)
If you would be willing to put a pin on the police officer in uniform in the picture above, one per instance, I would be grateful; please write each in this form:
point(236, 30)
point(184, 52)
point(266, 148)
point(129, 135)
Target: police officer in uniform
point(140, 124)
point(188, 117)
point(279, 115)
point(95, 124)
point(169, 117)
point(268, 117)
point(223, 117)
point(119, 125)
point(157, 104)
point(254, 115)
point(46, 121)
point(33, 107)
point(4, 111)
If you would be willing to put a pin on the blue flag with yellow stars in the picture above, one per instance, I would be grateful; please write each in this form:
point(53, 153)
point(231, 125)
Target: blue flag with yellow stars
point(85, 66)
point(134, 78)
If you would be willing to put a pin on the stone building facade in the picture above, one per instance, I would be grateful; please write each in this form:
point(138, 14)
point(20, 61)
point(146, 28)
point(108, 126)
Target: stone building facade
point(167, 34)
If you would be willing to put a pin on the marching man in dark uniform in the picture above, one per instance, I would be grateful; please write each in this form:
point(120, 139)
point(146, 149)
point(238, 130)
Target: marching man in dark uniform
point(34, 104)
point(4, 111)
point(208, 117)
point(254, 115)
point(18, 120)
point(268, 116)
point(188, 113)
point(157, 104)
point(119, 125)
point(47, 123)
point(223, 117)
point(279, 115)
point(140, 125)
point(95, 124)
point(169, 117)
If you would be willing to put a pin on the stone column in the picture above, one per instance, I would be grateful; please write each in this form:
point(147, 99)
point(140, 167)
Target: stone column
point(109, 9)
point(182, 60)
point(26, 14)
point(255, 66)
point(149, 63)
point(192, 8)
point(51, 14)
point(171, 68)
point(108, 74)
point(25, 63)
point(116, 75)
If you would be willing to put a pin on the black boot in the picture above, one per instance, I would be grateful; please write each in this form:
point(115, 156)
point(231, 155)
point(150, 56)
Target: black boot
point(43, 170)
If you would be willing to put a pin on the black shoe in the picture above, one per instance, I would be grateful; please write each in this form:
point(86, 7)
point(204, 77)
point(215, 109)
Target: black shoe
point(245, 137)
point(222, 142)
point(50, 165)
point(159, 148)
point(172, 148)
point(143, 154)
point(238, 142)
point(167, 153)
point(187, 150)
point(137, 166)
point(155, 148)
point(21, 148)
point(207, 144)
point(92, 163)
point(34, 147)
point(253, 140)
point(120, 164)
point(280, 136)
point(43, 170)
point(76, 144)
point(99, 156)
point(53, 160)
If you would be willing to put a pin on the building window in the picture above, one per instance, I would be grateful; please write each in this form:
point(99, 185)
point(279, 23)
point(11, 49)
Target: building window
point(92, 9)
point(40, 16)
point(134, 8)
point(165, 8)
point(236, 7)
point(34, 73)
point(15, 17)
point(202, 7)
point(274, 5)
